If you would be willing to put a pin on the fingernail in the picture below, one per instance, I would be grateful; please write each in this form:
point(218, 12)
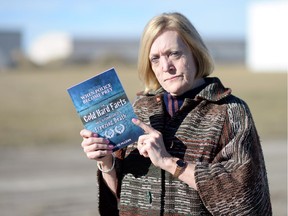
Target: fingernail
point(134, 120)
point(95, 135)
point(111, 146)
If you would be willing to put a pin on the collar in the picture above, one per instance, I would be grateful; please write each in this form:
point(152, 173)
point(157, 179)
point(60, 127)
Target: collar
point(214, 91)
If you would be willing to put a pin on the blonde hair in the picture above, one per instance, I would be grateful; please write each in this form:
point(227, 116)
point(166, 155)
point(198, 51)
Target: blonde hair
point(176, 22)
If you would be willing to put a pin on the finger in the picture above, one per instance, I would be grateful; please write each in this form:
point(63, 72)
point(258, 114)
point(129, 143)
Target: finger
point(91, 140)
point(97, 147)
point(87, 133)
point(145, 127)
point(98, 155)
point(141, 148)
point(143, 153)
point(140, 145)
point(143, 138)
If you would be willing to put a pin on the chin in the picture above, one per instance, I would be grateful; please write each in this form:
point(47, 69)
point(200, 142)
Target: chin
point(175, 93)
point(174, 90)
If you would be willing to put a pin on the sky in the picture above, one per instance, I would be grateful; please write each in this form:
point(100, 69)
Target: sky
point(119, 18)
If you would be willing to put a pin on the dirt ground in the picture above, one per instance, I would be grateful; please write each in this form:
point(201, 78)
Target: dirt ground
point(60, 181)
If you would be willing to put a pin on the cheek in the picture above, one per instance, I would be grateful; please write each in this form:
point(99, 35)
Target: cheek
point(191, 69)
point(157, 75)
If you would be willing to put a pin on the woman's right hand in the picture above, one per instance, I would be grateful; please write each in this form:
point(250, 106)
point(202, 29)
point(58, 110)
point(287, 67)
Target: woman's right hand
point(95, 147)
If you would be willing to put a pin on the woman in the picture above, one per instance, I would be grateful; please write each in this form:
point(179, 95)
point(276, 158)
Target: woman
point(200, 154)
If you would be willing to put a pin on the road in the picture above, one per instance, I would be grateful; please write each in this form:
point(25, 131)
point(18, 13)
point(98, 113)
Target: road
point(47, 181)
point(61, 181)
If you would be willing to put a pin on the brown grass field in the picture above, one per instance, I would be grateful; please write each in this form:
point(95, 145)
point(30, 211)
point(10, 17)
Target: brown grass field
point(39, 134)
point(36, 109)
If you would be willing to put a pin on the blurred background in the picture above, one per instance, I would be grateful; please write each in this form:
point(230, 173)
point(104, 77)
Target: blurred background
point(46, 47)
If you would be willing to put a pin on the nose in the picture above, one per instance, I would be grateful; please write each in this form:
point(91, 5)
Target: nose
point(166, 64)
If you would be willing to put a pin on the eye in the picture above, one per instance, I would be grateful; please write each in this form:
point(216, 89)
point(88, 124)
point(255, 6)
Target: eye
point(154, 59)
point(175, 54)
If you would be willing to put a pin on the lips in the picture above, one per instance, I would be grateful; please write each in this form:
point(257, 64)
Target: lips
point(172, 78)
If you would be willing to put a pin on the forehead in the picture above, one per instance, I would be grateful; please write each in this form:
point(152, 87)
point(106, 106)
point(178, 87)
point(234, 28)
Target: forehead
point(166, 41)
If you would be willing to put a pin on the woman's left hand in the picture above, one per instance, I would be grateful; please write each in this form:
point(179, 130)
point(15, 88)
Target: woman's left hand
point(151, 144)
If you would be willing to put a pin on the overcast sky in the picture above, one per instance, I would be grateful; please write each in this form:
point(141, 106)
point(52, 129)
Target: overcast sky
point(119, 18)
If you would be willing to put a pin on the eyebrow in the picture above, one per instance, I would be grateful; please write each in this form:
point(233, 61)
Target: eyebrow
point(166, 51)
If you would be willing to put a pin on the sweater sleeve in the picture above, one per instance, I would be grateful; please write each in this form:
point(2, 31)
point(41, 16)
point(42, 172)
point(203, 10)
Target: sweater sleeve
point(235, 183)
point(107, 201)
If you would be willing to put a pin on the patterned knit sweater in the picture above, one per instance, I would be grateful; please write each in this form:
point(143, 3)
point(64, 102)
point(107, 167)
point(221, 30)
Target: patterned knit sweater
point(215, 131)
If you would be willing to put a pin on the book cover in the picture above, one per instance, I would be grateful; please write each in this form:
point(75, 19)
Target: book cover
point(105, 109)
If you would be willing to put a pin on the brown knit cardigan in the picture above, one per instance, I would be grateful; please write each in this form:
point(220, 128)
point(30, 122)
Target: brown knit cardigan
point(215, 131)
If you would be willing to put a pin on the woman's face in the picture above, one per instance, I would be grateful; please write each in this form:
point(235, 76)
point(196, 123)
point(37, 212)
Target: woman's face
point(173, 63)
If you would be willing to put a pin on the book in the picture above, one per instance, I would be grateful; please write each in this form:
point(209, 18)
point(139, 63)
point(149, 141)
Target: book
point(104, 108)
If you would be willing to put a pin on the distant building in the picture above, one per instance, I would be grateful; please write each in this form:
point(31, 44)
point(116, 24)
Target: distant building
point(10, 46)
point(88, 50)
point(50, 47)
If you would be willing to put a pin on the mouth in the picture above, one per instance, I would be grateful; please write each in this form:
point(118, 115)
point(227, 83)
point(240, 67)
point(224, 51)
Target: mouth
point(172, 78)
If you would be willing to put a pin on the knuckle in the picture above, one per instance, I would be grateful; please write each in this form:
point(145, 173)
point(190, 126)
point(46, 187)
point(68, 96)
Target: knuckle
point(86, 150)
point(81, 133)
point(90, 140)
point(83, 143)
point(158, 134)
point(91, 155)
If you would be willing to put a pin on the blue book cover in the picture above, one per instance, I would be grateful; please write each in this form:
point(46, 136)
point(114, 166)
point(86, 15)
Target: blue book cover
point(105, 109)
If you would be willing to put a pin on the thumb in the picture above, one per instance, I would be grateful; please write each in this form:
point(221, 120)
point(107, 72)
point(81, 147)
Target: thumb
point(145, 127)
